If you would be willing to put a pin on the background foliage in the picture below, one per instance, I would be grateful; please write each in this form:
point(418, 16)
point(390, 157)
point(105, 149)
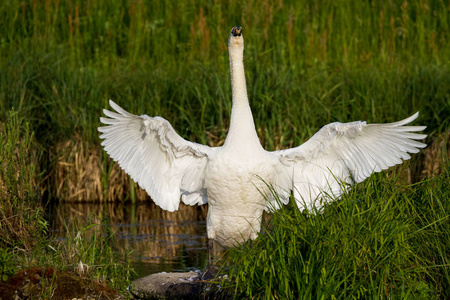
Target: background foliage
point(308, 63)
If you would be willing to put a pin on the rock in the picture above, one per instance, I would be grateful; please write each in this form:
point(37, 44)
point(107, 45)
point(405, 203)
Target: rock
point(174, 286)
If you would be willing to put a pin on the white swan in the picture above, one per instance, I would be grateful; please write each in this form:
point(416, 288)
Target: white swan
point(232, 178)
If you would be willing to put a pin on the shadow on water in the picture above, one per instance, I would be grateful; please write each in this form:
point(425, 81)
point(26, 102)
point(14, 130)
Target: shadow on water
point(162, 241)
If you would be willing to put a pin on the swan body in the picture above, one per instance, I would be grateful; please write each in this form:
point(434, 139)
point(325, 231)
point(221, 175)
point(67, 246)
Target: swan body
point(234, 179)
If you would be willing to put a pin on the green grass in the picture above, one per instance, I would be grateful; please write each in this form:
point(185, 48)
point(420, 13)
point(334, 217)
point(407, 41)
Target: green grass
point(383, 240)
point(85, 252)
point(24, 238)
point(22, 219)
point(90, 251)
point(307, 62)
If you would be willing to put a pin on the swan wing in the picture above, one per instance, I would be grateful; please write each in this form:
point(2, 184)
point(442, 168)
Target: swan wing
point(339, 155)
point(156, 157)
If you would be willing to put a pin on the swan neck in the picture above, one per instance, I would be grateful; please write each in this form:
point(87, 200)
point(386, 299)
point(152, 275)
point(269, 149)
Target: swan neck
point(238, 83)
point(242, 131)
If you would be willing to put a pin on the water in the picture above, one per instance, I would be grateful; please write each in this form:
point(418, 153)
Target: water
point(162, 241)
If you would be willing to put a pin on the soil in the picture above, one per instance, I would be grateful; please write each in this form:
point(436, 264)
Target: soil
point(48, 283)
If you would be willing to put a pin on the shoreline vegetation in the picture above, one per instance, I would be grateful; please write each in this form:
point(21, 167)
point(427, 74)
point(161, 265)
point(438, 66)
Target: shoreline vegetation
point(308, 63)
point(384, 240)
point(33, 263)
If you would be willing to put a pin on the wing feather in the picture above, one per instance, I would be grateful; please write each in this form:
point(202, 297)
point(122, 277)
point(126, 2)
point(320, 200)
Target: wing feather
point(156, 157)
point(340, 154)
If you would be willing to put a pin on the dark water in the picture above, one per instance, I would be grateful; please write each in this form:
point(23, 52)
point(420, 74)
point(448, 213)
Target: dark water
point(162, 241)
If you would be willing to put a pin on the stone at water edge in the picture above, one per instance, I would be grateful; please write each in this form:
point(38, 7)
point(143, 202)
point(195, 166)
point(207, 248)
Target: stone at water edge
point(172, 286)
point(166, 286)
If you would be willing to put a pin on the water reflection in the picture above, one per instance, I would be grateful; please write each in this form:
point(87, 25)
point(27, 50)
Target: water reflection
point(162, 241)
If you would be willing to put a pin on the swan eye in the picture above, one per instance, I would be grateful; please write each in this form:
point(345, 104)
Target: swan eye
point(236, 31)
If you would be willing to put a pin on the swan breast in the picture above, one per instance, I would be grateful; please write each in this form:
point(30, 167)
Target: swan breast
point(236, 184)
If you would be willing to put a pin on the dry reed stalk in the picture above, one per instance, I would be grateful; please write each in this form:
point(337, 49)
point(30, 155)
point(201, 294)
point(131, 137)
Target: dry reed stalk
point(429, 162)
point(215, 139)
point(434, 156)
point(79, 174)
point(120, 184)
point(78, 171)
point(117, 182)
point(2, 187)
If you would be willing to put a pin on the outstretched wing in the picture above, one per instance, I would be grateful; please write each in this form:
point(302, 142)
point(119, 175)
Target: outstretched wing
point(156, 157)
point(340, 154)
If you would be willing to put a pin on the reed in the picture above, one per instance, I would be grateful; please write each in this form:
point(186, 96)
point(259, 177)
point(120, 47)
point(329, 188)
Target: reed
point(21, 213)
point(308, 63)
point(83, 174)
point(24, 233)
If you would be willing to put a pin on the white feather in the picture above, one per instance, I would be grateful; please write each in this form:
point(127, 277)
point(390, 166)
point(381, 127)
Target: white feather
point(151, 152)
point(362, 148)
point(234, 179)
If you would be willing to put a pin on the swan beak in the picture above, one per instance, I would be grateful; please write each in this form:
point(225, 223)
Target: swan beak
point(236, 31)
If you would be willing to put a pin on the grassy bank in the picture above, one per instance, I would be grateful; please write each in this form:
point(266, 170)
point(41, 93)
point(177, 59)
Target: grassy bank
point(33, 263)
point(383, 240)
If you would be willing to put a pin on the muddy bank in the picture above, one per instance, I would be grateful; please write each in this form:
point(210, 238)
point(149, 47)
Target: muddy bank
point(37, 282)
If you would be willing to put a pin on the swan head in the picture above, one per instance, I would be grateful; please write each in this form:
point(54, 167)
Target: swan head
point(236, 31)
point(236, 41)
